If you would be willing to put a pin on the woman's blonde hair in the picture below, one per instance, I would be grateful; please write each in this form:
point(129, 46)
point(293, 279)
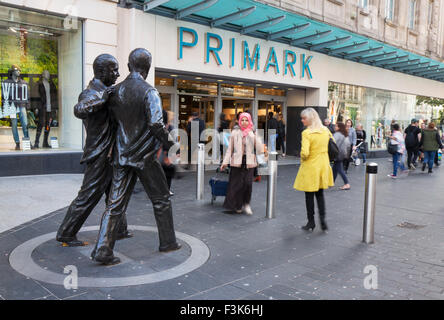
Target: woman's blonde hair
point(313, 118)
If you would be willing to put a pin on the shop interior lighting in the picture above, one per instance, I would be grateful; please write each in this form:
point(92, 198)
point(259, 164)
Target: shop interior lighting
point(198, 78)
point(173, 75)
point(41, 33)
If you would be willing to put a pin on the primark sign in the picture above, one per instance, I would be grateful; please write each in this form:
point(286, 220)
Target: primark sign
point(251, 55)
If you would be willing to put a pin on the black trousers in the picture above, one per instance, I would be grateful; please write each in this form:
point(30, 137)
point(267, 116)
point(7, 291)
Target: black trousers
point(155, 184)
point(412, 156)
point(240, 187)
point(96, 182)
point(309, 203)
point(44, 120)
point(347, 160)
point(280, 143)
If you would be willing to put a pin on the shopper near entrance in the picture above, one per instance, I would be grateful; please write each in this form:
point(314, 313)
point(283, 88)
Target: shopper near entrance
point(280, 142)
point(137, 111)
point(92, 108)
point(412, 136)
point(315, 173)
point(223, 125)
point(241, 157)
point(201, 123)
point(343, 143)
point(272, 125)
point(430, 142)
point(397, 138)
point(353, 139)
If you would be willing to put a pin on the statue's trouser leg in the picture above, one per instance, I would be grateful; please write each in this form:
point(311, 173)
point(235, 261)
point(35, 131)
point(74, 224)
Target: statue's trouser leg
point(95, 182)
point(122, 186)
point(155, 184)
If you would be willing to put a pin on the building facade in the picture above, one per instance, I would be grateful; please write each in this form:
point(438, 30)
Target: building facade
point(363, 60)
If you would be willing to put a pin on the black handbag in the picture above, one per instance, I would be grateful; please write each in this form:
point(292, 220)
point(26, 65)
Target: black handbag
point(333, 150)
point(392, 148)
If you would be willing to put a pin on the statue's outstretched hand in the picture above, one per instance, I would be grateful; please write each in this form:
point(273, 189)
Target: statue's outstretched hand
point(108, 92)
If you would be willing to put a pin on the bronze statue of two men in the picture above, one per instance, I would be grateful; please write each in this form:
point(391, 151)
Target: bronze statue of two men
point(124, 129)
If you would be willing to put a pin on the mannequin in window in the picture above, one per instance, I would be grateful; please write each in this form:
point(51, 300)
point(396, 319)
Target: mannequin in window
point(48, 99)
point(15, 99)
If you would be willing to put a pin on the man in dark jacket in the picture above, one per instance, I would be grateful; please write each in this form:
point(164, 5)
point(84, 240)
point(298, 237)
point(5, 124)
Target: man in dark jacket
point(136, 109)
point(412, 136)
point(92, 109)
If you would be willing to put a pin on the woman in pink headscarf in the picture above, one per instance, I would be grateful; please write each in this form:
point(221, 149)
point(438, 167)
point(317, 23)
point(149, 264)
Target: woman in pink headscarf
point(241, 157)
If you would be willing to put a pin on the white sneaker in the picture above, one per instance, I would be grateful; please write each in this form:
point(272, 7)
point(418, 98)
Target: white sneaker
point(248, 210)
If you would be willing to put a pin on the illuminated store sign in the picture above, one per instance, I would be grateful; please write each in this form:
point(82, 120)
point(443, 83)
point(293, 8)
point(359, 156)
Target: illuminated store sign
point(251, 56)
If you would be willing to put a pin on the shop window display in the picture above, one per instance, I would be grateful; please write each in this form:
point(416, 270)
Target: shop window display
point(377, 110)
point(36, 52)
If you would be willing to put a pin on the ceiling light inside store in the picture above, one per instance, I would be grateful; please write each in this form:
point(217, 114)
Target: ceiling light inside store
point(240, 82)
point(274, 87)
point(258, 85)
point(198, 78)
point(173, 75)
point(220, 80)
point(290, 89)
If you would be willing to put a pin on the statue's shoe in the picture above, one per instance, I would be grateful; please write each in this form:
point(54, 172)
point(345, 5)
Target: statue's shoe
point(125, 235)
point(171, 247)
point(105, 259)
point(74, 243)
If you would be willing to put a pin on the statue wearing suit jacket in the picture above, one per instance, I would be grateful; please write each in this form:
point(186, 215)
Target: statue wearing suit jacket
point(136, 109)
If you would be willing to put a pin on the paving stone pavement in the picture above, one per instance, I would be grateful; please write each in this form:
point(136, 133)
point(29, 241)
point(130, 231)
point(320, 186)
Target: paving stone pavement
point(255, 258)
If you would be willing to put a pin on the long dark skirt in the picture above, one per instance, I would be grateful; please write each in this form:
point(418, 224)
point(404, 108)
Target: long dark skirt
point(240, 186)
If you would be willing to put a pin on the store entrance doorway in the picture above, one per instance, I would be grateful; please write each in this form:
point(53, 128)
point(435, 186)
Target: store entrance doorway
point(264, 108)
point(231, 107)
point(203, 106)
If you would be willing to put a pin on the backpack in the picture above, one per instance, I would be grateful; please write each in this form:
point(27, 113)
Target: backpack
point(344, 146)
point(410, 139)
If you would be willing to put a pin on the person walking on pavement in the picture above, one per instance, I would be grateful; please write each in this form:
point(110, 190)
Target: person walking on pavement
point(430, 142)
point(223, 125)
point(329, 125)
point(412, 136)
point(397, 138)
point(92, 108)
point(281, 134)
point(361, 141)
point(343, 143)
point(353, 139)
point(241, 157)
point(272, 126)
point(315, 173)
point(137, 112)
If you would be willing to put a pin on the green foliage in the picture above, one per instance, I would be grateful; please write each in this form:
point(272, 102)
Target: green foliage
point(41, 54)
point(435, 102)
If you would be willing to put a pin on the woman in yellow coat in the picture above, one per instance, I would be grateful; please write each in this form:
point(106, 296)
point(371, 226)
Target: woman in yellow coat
point(315, 173)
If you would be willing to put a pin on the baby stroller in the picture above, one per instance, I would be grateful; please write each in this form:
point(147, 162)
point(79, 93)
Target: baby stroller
point(355, 155)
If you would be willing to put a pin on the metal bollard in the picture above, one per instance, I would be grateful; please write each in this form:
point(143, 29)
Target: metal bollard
point(271, 185)
point(200, 171)
point(370, 202)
